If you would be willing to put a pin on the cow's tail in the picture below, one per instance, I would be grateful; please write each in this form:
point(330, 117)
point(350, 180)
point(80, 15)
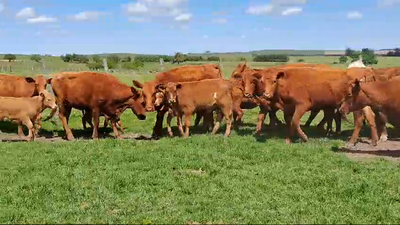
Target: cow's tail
point(53, 112)
point(219, 71)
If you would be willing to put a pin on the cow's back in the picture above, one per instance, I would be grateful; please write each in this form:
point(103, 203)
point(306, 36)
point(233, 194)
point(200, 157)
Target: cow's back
point(15, 86)
point(189, 73)
point(205, 90)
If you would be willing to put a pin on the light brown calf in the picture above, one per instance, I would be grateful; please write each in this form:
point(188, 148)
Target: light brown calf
point(26, 110)
point(210, 95)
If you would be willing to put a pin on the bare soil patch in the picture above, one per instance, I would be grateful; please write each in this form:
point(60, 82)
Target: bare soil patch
point(364, 151)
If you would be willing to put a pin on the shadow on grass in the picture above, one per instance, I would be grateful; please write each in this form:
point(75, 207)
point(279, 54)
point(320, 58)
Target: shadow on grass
point(390, 153)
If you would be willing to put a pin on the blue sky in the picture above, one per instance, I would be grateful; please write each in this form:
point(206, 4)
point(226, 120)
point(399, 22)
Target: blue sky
point(166, 26)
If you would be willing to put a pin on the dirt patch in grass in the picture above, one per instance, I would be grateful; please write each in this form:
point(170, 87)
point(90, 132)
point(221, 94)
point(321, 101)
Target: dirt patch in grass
point(364, 151)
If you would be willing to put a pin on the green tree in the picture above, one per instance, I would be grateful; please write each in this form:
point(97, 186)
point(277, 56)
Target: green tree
point(36, 58)
point(349, 52)
point(96, 59)
point(343, 59)
point(10, 57)
point(355, 56)
point(114, 59)
point(179, 58)
point(127, 59)
point(300, 60)
point(368, 56)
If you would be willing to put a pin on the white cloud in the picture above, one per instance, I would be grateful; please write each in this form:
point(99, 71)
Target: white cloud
point(292, 11)
point(25, 13)
point(221, 20)
point(173, 9)
point(260, 10)
point(205, 36)
point(185, 17)
point(86, 16)
point(41, 19)
point(354, 15)
point(387, 3)
point(137, 8)
point(137, 19)
point(277, 7)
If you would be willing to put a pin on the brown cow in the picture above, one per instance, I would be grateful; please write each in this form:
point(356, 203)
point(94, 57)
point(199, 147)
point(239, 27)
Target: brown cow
point(180, 74)
point(302, 89)
point(97, 92)
point(382, 95)
point(252, 82)
point(26, 110)
point(17, 86)
point(211, 94)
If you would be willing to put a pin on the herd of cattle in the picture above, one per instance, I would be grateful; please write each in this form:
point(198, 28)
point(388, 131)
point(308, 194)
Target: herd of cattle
point(369, 93)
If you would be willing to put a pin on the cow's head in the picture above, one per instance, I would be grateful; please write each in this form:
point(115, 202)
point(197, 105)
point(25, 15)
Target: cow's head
point(48, 100)
point(40, 82)
point(148, 90)
point(238, 71)
point(269, 82)
point(160, 95)
point(135, 103)
point(252, 83)
point(355, 98)
point(170, 91)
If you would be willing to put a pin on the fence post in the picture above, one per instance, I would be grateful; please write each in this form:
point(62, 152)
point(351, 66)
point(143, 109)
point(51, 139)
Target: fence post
point(162, 64)
point(105, 65)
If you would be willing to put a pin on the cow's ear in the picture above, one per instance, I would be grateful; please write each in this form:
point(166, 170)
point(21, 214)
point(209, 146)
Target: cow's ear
point(134, 91)
point(30, 80)
point(280, 75)
point(49, 80)
point(137, 84)
point(178, 86)
point(42, 96)
point(160, 87)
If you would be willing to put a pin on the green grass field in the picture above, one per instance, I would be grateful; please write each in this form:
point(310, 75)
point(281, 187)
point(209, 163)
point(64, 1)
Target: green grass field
point(241, 179)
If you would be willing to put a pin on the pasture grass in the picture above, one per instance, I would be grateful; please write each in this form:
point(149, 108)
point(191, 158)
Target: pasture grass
point(205, 178)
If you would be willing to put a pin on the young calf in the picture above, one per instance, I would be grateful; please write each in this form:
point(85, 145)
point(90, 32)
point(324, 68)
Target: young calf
point(208, 95)
point(26, 110)
point(87, 118)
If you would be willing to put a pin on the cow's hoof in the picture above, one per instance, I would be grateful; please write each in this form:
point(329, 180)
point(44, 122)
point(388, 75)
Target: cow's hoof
point(383, 138)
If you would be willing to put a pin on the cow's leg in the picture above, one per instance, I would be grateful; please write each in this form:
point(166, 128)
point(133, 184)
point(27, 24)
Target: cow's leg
point(338, 122)
point(64, 114)
point(28, 123)
point(169, 119)
point(188, 118)
point(228, 114)
point(179, 122)
point(157, 130)
point(96, 119)
point(38, 120)
point(20, 131)
point(199, 115)
point(312, 116)
point(84, 119)
point(358, 123)
point(370, 117)
point(295, 124)
point(288, 115)
point(120, 128)
point(273, 119)
point(329, 114)
point(114, 127)
point(381, 121)
point(105, 124)
point(218, 123)
point(260, 122)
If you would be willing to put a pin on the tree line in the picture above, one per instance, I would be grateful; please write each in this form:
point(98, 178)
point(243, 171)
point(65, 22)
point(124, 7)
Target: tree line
point(368, 56)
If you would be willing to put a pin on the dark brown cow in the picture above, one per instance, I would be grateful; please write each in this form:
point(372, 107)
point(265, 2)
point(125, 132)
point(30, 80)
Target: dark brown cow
point(98, 93)
point(17, 86)
point(382, 95)
point(211, 94)
point(180, 74)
